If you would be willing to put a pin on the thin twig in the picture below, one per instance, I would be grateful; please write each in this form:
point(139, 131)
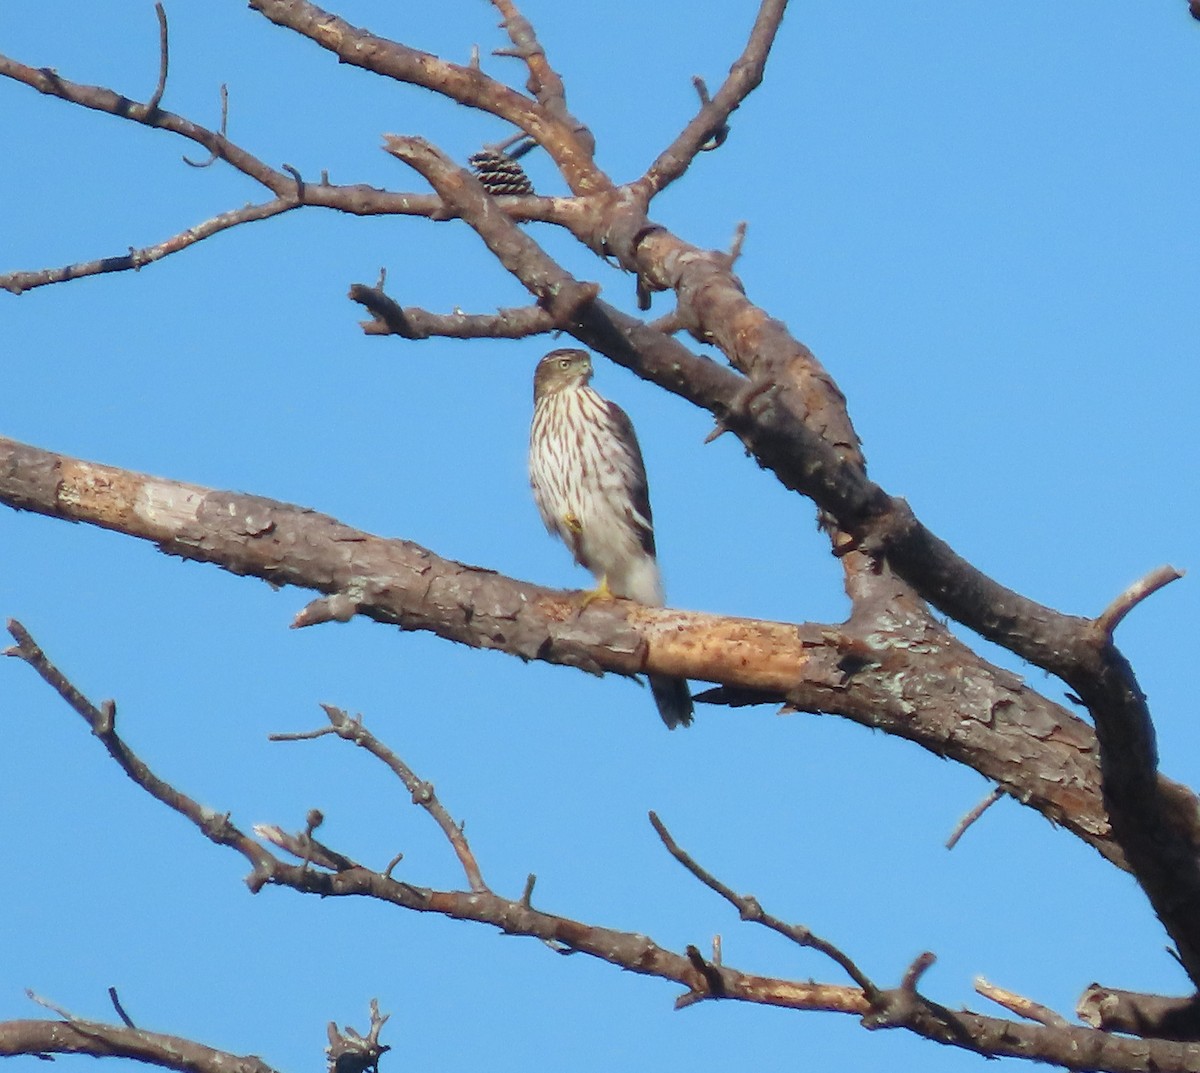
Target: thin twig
point(972, 816)
point(712, 119)
point(305, 848)
point(65, 1014)
point(216, 827)
point(214, 151)
point(527, 893)
point(710, 971)
point(17, 282)
point(163, 60)
point(739, 240)
point(352, 729)
point(1020, 1005)
point(1159, 578)
point(294, 172)
point(114, 998)
point(749, 909)
point(718, 136)
point(912, 975)
point(302, 735)
point(391, 865)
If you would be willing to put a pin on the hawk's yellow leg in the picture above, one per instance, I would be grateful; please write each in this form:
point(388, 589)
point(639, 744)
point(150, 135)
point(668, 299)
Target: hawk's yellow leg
point(601, 592)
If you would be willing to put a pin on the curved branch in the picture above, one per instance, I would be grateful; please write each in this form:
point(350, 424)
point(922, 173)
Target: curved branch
point(102, 99)
point(744, 77)
point(164, 58)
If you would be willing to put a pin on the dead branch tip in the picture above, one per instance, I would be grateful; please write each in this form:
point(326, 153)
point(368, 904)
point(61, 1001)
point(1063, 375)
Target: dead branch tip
point(972, 816)
point(1145, 587)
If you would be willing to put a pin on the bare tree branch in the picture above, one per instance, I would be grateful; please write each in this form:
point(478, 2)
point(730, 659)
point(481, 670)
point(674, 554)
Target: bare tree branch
point(101, 719)
point(101, 99)
point(562, 296)
point(748, 908)
point(1140, 590)
point(352, 730)
point(1019, 1004)
point(289, 193)
point(902, 1007)
point(350, 1052)
point(466, 85)
point(389, 318)
point(1156, 1016)
point(164, 58)
point(19, 282)
point(744, 77)
point(817, 668)
point(791, 416)
point(77, 1036)
point(544, 82)
point(965, 823)
point(949, 700)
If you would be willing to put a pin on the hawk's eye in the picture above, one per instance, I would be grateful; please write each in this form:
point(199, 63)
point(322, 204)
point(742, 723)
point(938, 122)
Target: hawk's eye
point(564, 363)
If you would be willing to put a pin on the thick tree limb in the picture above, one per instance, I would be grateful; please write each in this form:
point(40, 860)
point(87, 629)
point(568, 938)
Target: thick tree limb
point(1157, 1016)
point(928, 688)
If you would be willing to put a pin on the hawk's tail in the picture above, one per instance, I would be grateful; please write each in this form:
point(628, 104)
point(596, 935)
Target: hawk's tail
point(673, 698)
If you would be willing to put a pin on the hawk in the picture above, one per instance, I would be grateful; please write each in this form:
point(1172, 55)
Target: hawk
point(589, 483)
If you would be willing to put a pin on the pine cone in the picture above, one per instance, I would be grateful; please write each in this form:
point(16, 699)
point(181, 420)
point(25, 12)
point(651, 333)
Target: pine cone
point(499, 173)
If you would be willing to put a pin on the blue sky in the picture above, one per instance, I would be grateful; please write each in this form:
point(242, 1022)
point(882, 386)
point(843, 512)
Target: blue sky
point(981, 217)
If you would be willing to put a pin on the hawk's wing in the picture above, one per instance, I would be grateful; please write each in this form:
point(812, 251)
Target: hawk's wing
point(631, 471)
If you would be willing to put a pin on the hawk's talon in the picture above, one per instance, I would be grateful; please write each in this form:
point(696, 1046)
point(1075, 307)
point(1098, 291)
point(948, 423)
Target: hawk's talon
point(573, 524)
point(600, 592)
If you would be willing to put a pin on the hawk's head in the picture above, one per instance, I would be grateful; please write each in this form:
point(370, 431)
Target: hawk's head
point(561, 370)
